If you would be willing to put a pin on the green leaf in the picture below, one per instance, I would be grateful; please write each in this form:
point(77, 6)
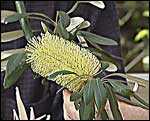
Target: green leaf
point(99, 94)
point(77, 103)
point(113, 103)
point(6, 54)
point(84, 24)
point(82, 41)
point(74, 22)
point(45, 28)
point(75, 96)
point(62, 72)
point(61, 31)
point(104, 66)
point(132, 102)
point(141, 100)
point(129, 78)
point(13, 18)
point(3, 65)
point(15, 67)
point(63, 22)
point(86, 112)
point(103, 55)
point(111, 67)
point(99, 4)
point(5, 14)
point(88, 92)
point(12, 35)
point(42, 16)
point(96, 38)
point(104, 115)
point(25, 25)
point(64, 18)
point(120, 88)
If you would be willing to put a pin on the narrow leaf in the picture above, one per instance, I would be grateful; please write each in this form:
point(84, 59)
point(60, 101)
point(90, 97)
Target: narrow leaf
point(13, 18)
point(7, 53)
point(121, 88)
point(5, 14)
point(99, 4)
point(42, 16)
point(74, 22)
point(140, 100)
point(88, 92)
point(61, 31)
point(25, 25)
point(15, 67)
point(104, 66)
point(104, 115)
point(87, 112)
point(129, 78)
point(75, 96)
point(131, 102)
point(45, 28)
point(12, 35)
point(84, 24)
point(99, 94)
point(82, 41)
point(96, 38)
point(64, 18)
point(62, 72)
point(113, 103)
point(3, 65)
point(111, 67)
point(103, 55)
point(77, 104)
point(63, 22)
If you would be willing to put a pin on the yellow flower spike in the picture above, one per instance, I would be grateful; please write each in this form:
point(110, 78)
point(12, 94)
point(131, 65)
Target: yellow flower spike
point(50, 53)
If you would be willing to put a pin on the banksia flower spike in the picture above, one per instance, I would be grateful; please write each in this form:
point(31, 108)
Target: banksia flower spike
point(50, 53)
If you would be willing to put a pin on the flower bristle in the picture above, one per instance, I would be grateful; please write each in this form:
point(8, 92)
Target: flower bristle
point(50, 53)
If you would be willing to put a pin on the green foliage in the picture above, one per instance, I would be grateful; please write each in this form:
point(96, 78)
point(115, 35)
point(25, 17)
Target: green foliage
point(120, 88)
point(15, 67)
point(97, 91)
point(88, 93)
point(113, 103)
point(96, 38)
point(45, 28)
point(13, 18)
point(24, 21)
point(75, 96)
point(141, 100)
point(12, 35)
point(63, 22)
point(99, 94)
point(62, 72)
point(86, 112)
point(104, 115)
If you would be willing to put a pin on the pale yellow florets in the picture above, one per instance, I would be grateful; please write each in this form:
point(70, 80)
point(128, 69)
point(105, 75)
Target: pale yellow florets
point(50, 53)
